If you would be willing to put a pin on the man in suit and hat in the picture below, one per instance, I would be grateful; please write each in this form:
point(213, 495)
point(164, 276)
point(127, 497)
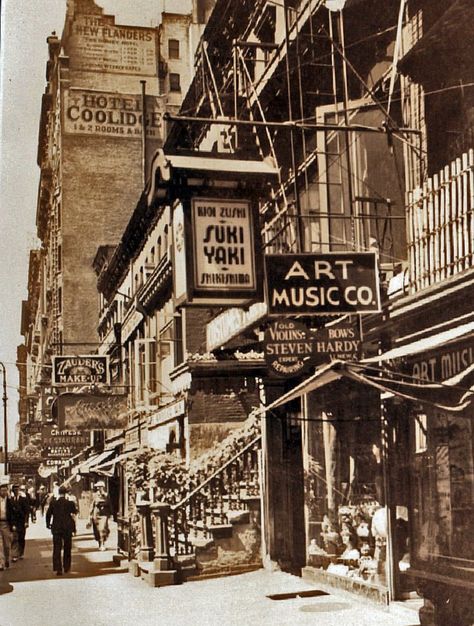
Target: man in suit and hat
point(6, 526)
point(62, 511)
point(21, 514)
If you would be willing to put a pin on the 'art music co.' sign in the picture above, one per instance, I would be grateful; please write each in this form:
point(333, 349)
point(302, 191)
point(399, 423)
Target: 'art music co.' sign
point(322, 284)
point(84, 369)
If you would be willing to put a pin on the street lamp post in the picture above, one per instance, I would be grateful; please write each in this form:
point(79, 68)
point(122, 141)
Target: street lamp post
point(5, 421)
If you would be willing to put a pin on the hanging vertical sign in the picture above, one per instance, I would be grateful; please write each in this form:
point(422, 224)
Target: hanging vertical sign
point(222, 258)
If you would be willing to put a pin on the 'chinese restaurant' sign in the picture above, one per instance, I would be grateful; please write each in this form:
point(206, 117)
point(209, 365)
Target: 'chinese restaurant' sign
point(83, 369)
point(96, 43)
point(222, 266)
point(88, 112)
point(61, 444)
point(290, 347)
point(322, 284)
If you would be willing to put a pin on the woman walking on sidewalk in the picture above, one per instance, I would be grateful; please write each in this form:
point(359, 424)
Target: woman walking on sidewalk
point(100, 512)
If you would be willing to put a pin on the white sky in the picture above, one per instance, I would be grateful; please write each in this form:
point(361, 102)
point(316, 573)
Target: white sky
point(25, 26)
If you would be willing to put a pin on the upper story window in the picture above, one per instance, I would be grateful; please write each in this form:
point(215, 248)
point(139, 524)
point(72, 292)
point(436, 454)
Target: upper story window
point(173, 48)
point(175, 82)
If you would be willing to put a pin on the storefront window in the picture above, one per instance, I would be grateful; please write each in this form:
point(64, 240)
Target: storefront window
point(346, 521)
point(443, 492)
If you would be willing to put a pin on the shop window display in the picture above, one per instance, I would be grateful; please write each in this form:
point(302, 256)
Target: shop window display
point(346, 520)
point(443, 494)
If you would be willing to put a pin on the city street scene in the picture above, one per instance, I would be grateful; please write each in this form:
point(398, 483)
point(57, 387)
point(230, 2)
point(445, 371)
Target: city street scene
point(237, 343)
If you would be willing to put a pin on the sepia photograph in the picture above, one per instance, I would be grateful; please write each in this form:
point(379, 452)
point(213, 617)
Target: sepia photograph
point(237, 313)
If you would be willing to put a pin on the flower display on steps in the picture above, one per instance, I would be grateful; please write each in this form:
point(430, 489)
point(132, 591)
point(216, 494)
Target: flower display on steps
point(162, 477)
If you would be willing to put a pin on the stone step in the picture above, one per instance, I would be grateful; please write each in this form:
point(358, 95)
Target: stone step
point(155, 577)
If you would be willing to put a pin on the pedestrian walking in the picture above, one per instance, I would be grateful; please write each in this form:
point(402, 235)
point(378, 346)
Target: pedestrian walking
point(100, 512)
point(32, 496)
point(6, 526)
point(21, 514)
point(63, 523)
point(42, 493)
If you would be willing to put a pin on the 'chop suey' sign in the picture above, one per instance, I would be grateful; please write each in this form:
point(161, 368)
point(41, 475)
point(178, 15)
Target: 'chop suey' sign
point(322, 284)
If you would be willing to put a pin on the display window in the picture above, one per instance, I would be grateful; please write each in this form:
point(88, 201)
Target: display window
point(346, 516)
point(442, 492)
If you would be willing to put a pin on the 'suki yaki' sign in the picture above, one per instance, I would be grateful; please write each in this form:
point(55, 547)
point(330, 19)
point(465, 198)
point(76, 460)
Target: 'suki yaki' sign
point(223, 236)
point(84, 369)
point(219, 263)
point(322, 284)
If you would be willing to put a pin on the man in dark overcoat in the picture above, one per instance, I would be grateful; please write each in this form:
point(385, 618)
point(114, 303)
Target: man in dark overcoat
point(62, 512)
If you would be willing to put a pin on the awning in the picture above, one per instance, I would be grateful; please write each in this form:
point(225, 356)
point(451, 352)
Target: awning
point(425, 344)
point(107, 468)
point(68, 481)
point(72, 461)
point(453, 395)
point(323, 376)
point(89, 465)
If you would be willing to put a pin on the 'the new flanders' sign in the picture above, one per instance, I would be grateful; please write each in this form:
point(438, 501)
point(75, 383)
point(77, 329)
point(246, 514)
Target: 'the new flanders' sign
point(81, 369)
point(322, 284)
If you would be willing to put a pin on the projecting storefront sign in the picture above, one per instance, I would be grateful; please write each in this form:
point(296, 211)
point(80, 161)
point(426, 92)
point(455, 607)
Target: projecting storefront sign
point(82, 411)
point(290, 347)
point(84, 369)
point(60, 444)
point(322, 284)
point(215, 252)
point(340, 341)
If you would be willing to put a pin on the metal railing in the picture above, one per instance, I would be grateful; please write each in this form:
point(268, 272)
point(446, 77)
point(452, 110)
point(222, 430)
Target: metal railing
point(208, 505)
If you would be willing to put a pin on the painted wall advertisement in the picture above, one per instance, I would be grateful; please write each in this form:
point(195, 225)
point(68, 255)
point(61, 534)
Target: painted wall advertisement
point(106, 114)
point(96, 43)
point(290, 347)
point(322, 284)
point(81, 369)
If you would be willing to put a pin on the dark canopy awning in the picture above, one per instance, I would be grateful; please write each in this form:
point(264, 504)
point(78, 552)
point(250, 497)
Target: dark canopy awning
point(453, 395)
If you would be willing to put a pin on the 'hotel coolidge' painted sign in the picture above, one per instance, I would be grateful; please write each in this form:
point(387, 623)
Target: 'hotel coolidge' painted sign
point(84, 369)
point(322, 284)
point(219, 264)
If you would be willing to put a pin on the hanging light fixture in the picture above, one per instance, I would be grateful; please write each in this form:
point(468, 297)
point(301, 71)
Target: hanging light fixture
point(335, 5)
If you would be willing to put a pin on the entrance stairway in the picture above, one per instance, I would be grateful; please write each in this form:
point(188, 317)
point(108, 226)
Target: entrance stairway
point(213, 531)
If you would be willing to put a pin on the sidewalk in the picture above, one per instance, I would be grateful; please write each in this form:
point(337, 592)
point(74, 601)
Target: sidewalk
point(96, 593)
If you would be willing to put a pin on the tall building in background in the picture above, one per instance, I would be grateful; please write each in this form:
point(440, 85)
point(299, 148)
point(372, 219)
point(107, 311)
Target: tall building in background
point(107, 88)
